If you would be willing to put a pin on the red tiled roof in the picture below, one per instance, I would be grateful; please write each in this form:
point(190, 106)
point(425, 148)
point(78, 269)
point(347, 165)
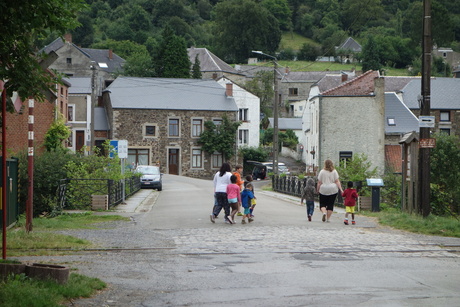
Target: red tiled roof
point(359, 86)
point(393, 157)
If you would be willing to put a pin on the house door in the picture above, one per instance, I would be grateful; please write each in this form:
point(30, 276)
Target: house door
point(173, 161)
point(79, 139)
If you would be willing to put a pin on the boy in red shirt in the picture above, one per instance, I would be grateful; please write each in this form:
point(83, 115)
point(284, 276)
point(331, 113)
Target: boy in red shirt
point(350, 197)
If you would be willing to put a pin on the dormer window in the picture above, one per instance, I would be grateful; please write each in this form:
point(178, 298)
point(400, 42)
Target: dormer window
point(391, 121)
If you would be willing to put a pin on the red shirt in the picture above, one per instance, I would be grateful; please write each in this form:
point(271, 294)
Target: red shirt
point(350, 196)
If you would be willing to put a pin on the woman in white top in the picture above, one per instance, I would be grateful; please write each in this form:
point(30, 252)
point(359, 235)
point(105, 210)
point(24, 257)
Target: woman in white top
point(328, 187)
point(221, 180)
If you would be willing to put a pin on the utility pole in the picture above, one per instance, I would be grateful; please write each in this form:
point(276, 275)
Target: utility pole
point(424, 153)
point(275, 110)
point(93, 104)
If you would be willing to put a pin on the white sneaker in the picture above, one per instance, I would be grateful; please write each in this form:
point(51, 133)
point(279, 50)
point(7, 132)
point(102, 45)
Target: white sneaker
point(230, 219)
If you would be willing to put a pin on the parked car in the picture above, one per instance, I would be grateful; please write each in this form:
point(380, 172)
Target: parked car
point(259, 171)
point(151, 177)
point(282, 168)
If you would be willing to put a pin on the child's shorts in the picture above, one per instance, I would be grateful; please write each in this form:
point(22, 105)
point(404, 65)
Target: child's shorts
point(247, 211)
point(350, 209)
point(253, 202)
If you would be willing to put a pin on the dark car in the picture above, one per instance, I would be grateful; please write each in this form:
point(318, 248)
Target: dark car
point(151, 177)
point(259, 171)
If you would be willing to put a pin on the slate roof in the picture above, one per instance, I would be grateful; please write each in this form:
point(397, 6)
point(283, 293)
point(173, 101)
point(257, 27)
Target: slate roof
point(100, 119)
point(98, 55)
point(163, 93)
point(350, 44)
point(209, 62)
point(80, 85)
point(294, 123)
point(362, 85)
point(405, 121)
point(396, 84)
point(445, 94)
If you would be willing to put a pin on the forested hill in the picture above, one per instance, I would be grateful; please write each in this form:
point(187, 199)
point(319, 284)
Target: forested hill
point(232, 28)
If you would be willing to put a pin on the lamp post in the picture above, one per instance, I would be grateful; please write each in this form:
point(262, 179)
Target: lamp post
point(275, 111)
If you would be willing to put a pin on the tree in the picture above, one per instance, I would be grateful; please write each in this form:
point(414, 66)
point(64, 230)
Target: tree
point(139, 65)
point(371, 55)
point(242, 26)
point(23, 22)
point(56, 135)
point(280, 9)
point(219, 138)
point(308, 52)
point(196, 69)
point(172, 59)
point(262, 86)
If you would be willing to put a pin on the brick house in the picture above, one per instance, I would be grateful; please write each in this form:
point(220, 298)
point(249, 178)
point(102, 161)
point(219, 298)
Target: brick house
point(162, 120)
point(346, 120)
point(44, 112)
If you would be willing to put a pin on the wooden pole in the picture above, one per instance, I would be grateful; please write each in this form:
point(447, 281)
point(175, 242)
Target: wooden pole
point(4, 190)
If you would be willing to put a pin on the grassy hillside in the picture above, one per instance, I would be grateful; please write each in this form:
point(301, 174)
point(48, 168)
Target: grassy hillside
point(294, 41)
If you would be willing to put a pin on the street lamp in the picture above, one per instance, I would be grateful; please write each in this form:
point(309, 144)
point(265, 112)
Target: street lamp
point(275, 110)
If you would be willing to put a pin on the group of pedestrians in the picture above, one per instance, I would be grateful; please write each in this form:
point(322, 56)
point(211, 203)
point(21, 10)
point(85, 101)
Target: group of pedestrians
point(328, 187)
point(233, 195)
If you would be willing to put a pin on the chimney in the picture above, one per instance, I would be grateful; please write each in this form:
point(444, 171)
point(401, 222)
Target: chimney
point(229, 90)
point(110, 54)
point(68, 38)
point(344, 77)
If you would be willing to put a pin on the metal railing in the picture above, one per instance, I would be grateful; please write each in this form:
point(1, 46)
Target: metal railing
point(75, 194)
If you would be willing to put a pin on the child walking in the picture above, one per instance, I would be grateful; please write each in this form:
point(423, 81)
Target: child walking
point(253, 201)
point(246, 197)
point(238, 172)
point(350, 195)
point(234, 198)
point(309, 196)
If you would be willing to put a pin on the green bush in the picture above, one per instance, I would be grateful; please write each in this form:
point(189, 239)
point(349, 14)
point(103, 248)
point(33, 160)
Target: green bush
point(49, 168)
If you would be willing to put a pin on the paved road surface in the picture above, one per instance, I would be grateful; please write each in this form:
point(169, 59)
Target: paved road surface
point(170, 254)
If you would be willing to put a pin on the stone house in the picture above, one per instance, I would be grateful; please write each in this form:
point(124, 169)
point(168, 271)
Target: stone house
point(444, 102)
point(346, 120)
point(75, 61)
point(162, 120)
point(347, 51)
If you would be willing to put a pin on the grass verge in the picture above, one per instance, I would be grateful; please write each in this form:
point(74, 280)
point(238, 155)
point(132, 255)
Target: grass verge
point(21, 291)
point(43, 240)
point(431, 225)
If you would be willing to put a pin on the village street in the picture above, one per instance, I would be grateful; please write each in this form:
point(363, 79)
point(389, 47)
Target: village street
point(170, 254)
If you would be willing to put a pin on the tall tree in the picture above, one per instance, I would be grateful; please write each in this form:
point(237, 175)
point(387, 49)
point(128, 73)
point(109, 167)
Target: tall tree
point(242, 26)
point(219, 138)
point(172, 59)
point(280, 9)
point(21, 23)
point(196, 69)
point(371, 55)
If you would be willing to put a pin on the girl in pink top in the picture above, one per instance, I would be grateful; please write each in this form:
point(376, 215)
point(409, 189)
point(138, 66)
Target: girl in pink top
point(234, 198)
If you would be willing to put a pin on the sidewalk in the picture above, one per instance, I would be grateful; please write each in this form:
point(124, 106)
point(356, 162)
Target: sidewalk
point(141, 201)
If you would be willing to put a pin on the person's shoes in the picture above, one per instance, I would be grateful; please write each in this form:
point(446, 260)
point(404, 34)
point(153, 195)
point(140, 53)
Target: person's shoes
point(250, 219)
point(239, 214)
point(324, 217)
point(213, 218)
point(251, 215)
point(230, 219)
point(309, 218)
point(346, 222)
point(353, 223)
point(227, 222)
point(243, 222)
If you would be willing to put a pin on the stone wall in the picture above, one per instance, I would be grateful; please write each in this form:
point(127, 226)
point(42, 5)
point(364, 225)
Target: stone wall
point(128, 124)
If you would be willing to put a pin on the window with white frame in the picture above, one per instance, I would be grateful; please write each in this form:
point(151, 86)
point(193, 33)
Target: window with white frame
point(197, 158)
point(150, 130)
point(243, 115)
point(216, 160)
point(217, 122)
point(173, 127)
point(70, 113)
point(197, 127)
point(243, 136)
point(444, 116)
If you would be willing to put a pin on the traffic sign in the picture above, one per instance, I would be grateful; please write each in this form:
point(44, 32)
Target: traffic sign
point(426, 121)
point(427, 143)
